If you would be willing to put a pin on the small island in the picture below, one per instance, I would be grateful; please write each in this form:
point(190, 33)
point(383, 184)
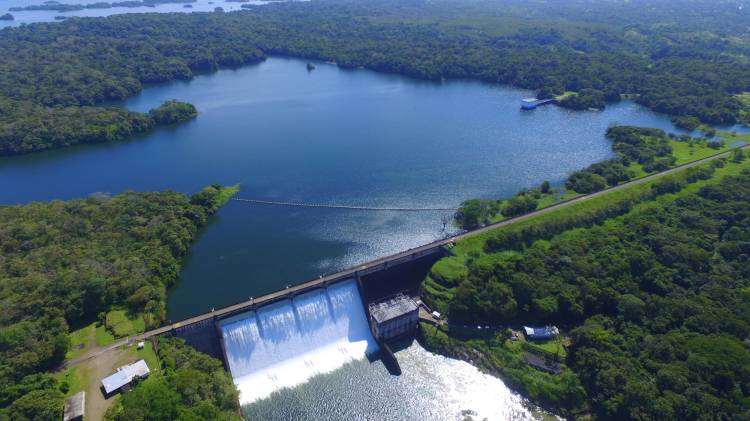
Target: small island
point(7, 16)
point(310, 66)
point(172, 112)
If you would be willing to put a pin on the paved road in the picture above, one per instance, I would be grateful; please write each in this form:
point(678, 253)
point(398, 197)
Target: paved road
point(351, 272)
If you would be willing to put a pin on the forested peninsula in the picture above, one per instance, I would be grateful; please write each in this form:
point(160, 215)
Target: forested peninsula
point(687, 58)
point(106, 261)
point(27, 127)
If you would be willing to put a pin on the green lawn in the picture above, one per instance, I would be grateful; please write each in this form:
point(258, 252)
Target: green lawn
point(552, 347)
point(149, 355)
point(732, 137)
point(121, 324)
point(88, 337)
point(557, 195)
point(81, 340)
point(450, 269)
point(687, 152)
point(103, 336)
point(72, 379)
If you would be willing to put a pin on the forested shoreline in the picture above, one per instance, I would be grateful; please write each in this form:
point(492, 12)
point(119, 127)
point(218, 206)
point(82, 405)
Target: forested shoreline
point(26, 127)
point(65, 264)
point(649, 285)
point(678, 59)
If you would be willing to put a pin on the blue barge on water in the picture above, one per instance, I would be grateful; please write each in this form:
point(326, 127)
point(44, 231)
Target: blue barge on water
point(531, 103)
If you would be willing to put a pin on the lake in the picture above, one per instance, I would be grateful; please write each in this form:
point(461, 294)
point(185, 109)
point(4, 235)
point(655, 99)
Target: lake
point(349, 137)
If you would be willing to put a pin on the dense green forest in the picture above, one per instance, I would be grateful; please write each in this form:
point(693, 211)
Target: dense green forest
point(650, 284)
point(193, 386)
point(686, 58)
point(64, 263)
point(26, 127)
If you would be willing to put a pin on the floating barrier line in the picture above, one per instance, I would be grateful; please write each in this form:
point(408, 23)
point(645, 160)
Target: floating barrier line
point(320, 205)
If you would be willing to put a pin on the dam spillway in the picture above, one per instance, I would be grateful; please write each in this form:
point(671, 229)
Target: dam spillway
point(285, 343)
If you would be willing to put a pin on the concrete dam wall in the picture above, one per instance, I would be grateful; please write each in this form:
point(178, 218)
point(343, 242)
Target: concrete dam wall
point(284, 343)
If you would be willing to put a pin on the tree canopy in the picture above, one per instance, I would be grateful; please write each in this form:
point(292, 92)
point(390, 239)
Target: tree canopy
point(686, 58)
point(653, 293)
point(64, 262)
point(193, 387)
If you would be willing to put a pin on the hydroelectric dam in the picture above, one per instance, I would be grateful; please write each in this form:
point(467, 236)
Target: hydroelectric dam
point(282, 339)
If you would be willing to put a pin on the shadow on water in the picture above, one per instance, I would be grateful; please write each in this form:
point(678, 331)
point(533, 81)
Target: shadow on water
point(73, 152)
point(406, 277)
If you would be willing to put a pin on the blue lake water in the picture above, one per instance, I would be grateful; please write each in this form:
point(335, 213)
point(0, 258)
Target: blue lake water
point(326, 136)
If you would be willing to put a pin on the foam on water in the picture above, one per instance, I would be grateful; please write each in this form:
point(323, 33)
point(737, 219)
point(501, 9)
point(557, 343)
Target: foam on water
point(285, 343)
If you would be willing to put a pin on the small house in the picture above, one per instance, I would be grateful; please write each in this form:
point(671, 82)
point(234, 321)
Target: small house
point(541, 333)
point(124, 376)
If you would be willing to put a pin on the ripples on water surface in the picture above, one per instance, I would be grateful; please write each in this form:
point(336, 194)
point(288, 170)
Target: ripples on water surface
point(431, 387)
point(326, 136)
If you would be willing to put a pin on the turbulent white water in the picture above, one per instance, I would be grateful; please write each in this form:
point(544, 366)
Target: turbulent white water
point(431, 387)
point(285, 343)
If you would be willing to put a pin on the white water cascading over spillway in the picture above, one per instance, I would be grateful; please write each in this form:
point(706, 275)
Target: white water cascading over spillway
point(285, 343)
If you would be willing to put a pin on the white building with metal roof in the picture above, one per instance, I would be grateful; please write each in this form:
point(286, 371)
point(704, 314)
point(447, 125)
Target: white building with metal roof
point(124, 376)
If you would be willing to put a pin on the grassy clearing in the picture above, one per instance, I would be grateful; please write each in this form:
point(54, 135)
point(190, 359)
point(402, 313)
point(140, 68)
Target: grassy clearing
point(226, 193)
point(556, 196)
point(550, 347)
point(81, 340)
point(86, 338)
point(102, 336)
point(450, 269)
point(120, 324)
point(149, 355)
point(732, 136)
point(69, 381)
point(687, 151)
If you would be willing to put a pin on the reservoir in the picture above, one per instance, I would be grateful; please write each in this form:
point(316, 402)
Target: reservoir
point(330, 136)
point(345, 137)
